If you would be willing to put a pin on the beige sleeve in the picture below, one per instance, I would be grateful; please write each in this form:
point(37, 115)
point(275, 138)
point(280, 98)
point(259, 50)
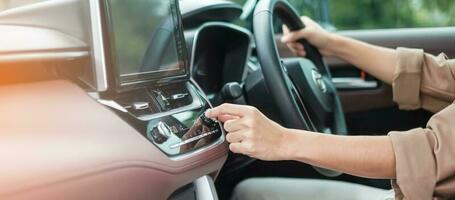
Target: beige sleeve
point(425, 166)
point(423, 81)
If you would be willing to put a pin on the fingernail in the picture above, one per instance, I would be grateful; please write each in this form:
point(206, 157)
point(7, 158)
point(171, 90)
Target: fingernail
point(207, 112)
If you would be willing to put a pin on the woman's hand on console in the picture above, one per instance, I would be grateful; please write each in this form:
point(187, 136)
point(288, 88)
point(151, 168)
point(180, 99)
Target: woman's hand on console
point(250, 132)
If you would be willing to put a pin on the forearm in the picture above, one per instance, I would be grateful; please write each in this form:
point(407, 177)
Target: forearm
point(366, 156)
point(375, 60)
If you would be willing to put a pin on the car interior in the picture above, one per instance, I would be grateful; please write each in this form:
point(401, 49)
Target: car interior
point(105, 99)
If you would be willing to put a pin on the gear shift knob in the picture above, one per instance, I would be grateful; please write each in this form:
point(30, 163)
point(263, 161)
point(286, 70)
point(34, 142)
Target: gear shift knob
point(231, 90)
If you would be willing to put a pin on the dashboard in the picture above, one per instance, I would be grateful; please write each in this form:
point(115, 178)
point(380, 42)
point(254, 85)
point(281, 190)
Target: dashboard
point(120, 122)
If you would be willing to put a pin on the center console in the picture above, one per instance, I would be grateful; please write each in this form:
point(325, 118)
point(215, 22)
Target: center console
point(171, 117)
point(150, 84)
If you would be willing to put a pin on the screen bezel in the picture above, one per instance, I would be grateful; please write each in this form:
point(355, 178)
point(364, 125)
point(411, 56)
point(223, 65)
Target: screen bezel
point(131, 81)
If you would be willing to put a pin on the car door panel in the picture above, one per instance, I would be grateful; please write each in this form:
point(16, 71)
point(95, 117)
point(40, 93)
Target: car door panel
point(372, 110)
point(432, 40)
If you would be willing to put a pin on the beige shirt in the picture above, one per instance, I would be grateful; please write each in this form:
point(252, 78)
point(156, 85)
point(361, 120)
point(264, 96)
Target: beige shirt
point(425, 157)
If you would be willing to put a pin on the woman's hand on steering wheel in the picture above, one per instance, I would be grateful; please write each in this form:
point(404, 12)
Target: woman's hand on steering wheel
point(250, 132)
point(312, 32)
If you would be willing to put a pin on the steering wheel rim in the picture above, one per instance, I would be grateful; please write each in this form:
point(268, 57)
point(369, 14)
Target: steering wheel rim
point(286, 95)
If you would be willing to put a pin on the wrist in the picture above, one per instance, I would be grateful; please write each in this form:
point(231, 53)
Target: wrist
point(291, 146)
point(333, 45)
point(300, 145)
point(283, 149)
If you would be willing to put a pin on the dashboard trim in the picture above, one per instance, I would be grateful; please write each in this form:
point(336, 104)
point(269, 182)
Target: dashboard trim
point(226, 25)
point(99, 59)
point(40, 56)
point(205, 188)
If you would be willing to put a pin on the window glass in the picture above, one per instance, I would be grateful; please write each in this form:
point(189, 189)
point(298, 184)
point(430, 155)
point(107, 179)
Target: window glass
point(376, 14)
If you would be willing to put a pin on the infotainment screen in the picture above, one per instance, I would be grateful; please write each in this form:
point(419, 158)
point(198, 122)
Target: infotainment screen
point(146, 40)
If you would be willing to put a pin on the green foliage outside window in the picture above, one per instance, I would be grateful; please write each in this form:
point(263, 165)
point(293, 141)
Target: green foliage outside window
point(377, 14)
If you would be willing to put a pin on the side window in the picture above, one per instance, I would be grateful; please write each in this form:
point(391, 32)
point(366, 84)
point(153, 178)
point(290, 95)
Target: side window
point(377, 14)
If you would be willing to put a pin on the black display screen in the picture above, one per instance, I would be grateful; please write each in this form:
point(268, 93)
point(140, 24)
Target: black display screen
point(146, 40)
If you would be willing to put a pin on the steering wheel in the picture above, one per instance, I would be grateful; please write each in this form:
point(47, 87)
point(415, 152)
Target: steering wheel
point(301, 87)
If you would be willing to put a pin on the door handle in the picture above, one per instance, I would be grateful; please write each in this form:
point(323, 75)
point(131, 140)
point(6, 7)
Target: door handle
point(354, 83)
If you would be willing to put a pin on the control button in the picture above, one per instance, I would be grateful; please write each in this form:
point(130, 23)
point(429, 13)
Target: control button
point(161, 99)
point(140, 105)
point(174, 129)
point(178, 96)
point(208, 122)
point(161, 132)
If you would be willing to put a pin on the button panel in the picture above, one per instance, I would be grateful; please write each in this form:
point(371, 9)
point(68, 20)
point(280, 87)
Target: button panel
point(177, 124)
point(186, 130)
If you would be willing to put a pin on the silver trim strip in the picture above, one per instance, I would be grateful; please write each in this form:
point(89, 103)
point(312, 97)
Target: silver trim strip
point(205, 188)
point(97, 46)
point(40, 56)
point(353, 83)
point(193, 139)
point(112, 104)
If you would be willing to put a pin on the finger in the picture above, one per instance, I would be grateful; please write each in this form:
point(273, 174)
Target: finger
point(238, 148)
point(285, 29)
point(297, 52)
point(291, 48)
point(225, 117)
point(296, 46)
point(230, 109)
point(292, 36)
point(301, 53)
point(233, 125)
point(235, 137)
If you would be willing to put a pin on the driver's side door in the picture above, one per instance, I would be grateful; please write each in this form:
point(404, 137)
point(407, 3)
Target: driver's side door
point(367, 101)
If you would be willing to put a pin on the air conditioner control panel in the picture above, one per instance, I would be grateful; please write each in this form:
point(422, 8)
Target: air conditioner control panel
point(171, 117)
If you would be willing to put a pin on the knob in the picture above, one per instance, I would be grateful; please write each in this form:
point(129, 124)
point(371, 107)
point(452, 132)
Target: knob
point(231, 90)
point(161, 132)
point(208, 122)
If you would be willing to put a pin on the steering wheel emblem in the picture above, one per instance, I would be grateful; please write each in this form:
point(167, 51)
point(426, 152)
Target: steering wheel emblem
point(317, 78)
